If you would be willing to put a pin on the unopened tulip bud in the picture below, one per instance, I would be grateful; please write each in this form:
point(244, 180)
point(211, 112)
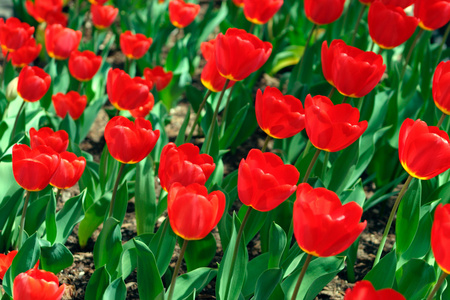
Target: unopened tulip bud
point(11, 89)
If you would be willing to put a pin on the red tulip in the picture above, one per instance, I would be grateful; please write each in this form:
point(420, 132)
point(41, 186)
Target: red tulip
point(424, 151)
point(400, 3)
point(264, 181)
point(332, 127)
point(440, 237)
point(182, 14)
point(323, 12)
point(193, 213)
point(57, 18)
point(260, 12)
point(37, 285)
point(58, 141)
point(239, 53)
point(127, 93)
point(33, 83)
point(158, 76)
point(441, 87)
point(84, 65)
point(432, 14)
point(279, 116)
point(103, 15)
point(239, 3)
point(184, 164)
point(130, 142)
point(5, 262)
point(46, 10)
point(33, 168)
point(364, 290)
point(352, 71)
point(14, 34)
point(211, 77)
point(322, 225)
point(382, 18)
point(134, 46)
point(69, 171)
point(71, 103)
point(60, 41)
point(144, 110)
point(25, 55)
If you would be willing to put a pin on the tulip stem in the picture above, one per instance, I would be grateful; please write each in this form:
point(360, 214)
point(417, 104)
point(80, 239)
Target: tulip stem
point(117, 113)
point(444, 38)
point(300, 62)
point(177, 269)
point(13, 133)
point(2, 79)
point(325, 163)
point(197, 116)
point(344, 100)
point(408, 56)
point(331, 93)
point(266, 142)
point(345, 18)
point(252, 27)
point(437, 286)
point(358, 22)
point(163, 234)
point(116, 185)
point(311, 165)
point(391, 218)
point(58, 193)
point(302, 274)
point(225, 112)
point(22, 220)
point(213, 121)
point(441, 120)
point(236, 249)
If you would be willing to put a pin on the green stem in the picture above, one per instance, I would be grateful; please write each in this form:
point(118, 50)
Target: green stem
point(311, 165)
point(252, 27)
point(13, 133)
point(391, 218)
point(197, 116)
point(266, 142)
point(163, 234)
point(116, 185)
point(345, 18)
point(325, 163)
point(117, 113)
point(300, 63)
point(58, 193)
point(225, 112)
point(444, 39)
point(177, 269)
point(80, 84)
point(437, 286)
point(22, 220)
point(2, 78)
point(213, 121)
point(358, 22)
point(344, 100)
point(331, 93)
point(441, 120)
point(236, 249)
point(408, 56)
point(302, 274)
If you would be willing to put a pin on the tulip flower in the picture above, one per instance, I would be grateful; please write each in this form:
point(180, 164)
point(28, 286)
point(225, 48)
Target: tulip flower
point(193, 213)
point(441, 87)
point(6, 261)
point(127, 93)
point(60, 41)
point(323, 12)
point(393, 17)
point(260, 12)
point(103, 15)
point(352, 71)
point(14, 34)
point(424, 151)
point(25, 55)
point(182, 14)
point(69, 171)
point(33, 168)
point(144, 110)
point(322, 225)
point(45, 10)
point(158, 76)
point(84, 65)
point(33, 83)
point(364, 290)
point(130, 142)
point(440, 237)
point(184, 164)
point(71, 103)
point(239, 53)
point(58, 141)
point(134, 46)
point(211, 77)
point(264, 181)
point(37, 285)
point(279, 116)
point(239, 3)
point(332, 127)
point(399, 3)
point(432, 14)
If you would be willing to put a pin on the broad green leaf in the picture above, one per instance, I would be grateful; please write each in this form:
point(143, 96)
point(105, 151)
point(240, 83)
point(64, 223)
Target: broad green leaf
point(55, 258)
point(254, 223)
point(35, 214)
point(277, 244)
point(121, 202)
point(70, 215)
point(233, 129)
point(162, 246)
point(267, 283)
point(50, 219)
point(193, 281)
point(255, 268)
point(117, 290)
point(93, 217)
point(421, 244)
point(415, 279)
point(181, 133)
point(98, 283)
point(149, 279)
point(108, 246)
point(145, 198)
point(383, 274)
point(199, 253)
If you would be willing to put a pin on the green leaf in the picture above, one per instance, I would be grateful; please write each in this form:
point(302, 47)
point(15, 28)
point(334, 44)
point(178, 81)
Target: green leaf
point(116, 290)
point(108, 246)
point(290, 56)
point(50, 219)
point(199, 253)
point(145, 198)
point(192, 281)
point(415, 279)
point(254, 223)
point(421, 244)
point(120, 205)
point(107, 170)
point(98, 283)
point(10, 204)
point(55, 258)
point(267, 283)
point(383, 274)
point(181, 133)
point(149, 279)
point(232, 130)
point(70, 215)
point(162, 246)
point(255, 268)
point(35, 214)
point(277, 244)
point(68, 125)
point(93, 217)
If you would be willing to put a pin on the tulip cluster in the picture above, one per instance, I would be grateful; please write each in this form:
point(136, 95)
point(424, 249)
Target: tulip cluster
point(49, 11)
